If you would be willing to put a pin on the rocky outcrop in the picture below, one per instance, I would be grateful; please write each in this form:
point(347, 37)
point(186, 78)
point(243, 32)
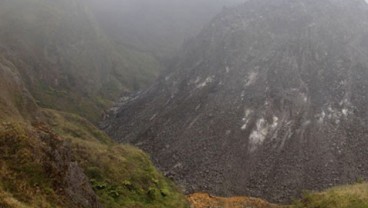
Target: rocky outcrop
point(38, 169)
point(269, 100)
point(68, 177)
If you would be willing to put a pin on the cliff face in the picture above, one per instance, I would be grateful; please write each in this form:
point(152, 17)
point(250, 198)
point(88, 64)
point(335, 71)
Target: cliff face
point(269, 100)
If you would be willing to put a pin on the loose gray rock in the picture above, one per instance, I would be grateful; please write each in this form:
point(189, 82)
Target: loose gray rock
point(269, 100)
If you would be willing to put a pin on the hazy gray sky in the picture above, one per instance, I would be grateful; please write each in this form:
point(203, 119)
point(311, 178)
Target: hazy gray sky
point(160, 25)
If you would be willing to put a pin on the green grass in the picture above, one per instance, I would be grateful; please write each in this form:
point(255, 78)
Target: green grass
point(24, 182)
point(121, 175)
point(9, 201)
point(350, 196)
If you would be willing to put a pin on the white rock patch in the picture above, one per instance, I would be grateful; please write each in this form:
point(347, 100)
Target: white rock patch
point(345, 112)
point(304, 96)
point(153, 117)
point(335, 114)
point(245, 119)
point(227, 69)
point(197, 80)
point(321, 117)
point(244, 126)
point(242, 95)
point(251, 79)
point(205, 82)
point(258, 135)
point(275, 122)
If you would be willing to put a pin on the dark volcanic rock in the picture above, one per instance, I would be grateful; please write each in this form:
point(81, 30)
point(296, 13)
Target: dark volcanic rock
point(269, 100)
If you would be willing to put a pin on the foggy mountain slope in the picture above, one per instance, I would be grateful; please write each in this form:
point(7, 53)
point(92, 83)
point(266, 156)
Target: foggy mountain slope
point(24, 175)
point(159, 26)
point(66, 59)
point(50, 158)
point(269, 100)
point(55, 159)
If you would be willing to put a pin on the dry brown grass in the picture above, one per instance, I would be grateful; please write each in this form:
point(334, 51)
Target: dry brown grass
point(202, 200)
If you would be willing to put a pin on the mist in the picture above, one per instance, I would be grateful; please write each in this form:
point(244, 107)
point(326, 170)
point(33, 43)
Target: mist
point(159, 26)
point(183, 103)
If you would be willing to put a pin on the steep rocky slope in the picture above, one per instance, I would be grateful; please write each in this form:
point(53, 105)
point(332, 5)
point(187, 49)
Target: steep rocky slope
point(65, 58)
point(269, 100)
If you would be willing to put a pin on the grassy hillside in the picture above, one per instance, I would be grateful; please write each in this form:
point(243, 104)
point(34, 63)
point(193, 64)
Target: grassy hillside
point(350, 196)
point(121, 175)
point(37, 170)
point(65, 58)
point(33, 175)
point(53, 159)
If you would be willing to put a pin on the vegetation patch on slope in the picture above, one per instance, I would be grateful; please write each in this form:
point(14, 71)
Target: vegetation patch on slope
point(350, 196)
point(54, 159)
point(37, 170)
point(121, 175)
point(40, 165)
